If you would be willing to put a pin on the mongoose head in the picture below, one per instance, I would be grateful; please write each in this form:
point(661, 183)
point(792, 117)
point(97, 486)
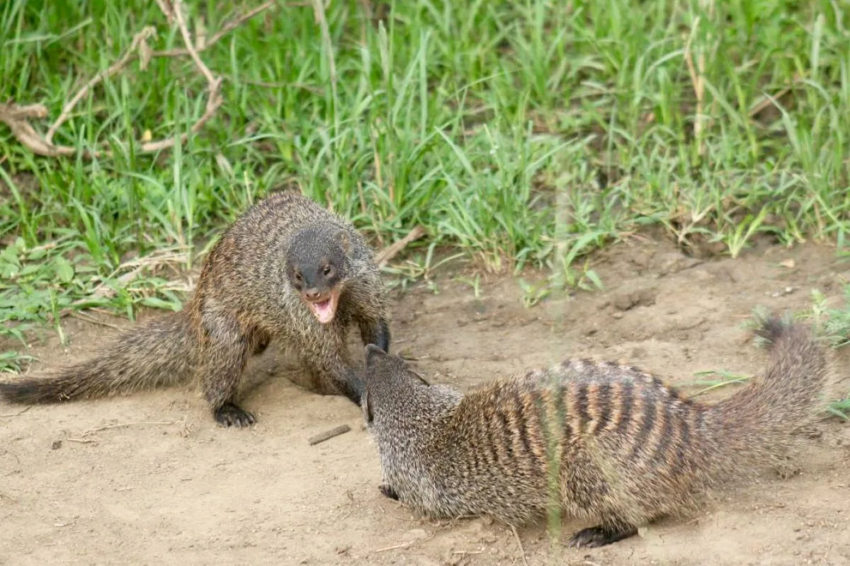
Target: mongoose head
point(317, 267)
point(388, 377)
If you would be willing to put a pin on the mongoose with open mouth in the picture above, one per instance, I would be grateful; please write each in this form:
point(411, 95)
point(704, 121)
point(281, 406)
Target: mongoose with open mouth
point(286, 269)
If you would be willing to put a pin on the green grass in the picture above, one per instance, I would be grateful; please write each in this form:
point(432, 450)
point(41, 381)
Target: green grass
point(524, 133)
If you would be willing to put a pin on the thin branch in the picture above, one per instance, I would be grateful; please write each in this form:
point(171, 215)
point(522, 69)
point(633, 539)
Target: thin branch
point(17, 117)
point(190, 44)
point(225, 29)
point(19, 413)
point(393, 249)
point(14, 116)
point(519, 542)
point(214, 99)
point(125, 59)
point(92, 431)
point(328, 434)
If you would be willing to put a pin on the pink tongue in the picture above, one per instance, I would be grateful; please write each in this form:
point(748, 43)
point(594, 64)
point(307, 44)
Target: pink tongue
point(323, 311)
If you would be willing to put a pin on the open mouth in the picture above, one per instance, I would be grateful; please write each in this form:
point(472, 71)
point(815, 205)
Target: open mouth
point(324, 308)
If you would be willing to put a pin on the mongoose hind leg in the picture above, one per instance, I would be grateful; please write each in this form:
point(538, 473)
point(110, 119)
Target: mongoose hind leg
point(602, 535)
point(226, 350)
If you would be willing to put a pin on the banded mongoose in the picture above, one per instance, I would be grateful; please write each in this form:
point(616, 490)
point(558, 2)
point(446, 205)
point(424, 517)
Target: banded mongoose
point(622, 447)
point(287, 269)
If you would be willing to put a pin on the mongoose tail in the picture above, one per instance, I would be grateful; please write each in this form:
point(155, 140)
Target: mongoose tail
point(158, 353)
point(759, 419)
point(733, 437)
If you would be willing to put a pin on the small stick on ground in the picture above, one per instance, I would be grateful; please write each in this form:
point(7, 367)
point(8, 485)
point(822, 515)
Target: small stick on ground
point(328, 434)
point(92, 320)
point(402, 545)
point(126, 425)
point(519, 542)
point(395, 248)
point(12, 415)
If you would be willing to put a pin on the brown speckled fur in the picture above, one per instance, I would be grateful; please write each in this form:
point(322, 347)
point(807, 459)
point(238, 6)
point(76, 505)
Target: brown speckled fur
point(243, 300)
point(622, 447)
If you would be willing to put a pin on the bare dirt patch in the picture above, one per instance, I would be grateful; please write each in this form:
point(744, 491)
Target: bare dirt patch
point(171, 487)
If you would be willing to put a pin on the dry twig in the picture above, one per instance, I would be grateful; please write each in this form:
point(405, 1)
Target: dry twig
point(395, 248)
point(129, 55)
point(19, 413)
point(153, 261)
point(403, 545)
point(225, 29)
point(83, 439)
point(328, 434)
point(17, 117)
point(519, 542)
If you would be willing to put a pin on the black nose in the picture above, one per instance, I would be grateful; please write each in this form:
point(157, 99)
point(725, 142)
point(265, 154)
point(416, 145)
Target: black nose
point(311, 294)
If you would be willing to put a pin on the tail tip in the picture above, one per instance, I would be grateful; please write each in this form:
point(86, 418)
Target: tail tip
point(771, 327)
point(22, 392)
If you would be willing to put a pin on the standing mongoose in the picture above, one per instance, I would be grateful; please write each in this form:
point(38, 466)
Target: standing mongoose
point(287, 269)
point(595, 440)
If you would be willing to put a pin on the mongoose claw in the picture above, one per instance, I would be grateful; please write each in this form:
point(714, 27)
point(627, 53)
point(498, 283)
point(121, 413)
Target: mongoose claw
point(230, 415)
point(387, 491)
point(594, 537)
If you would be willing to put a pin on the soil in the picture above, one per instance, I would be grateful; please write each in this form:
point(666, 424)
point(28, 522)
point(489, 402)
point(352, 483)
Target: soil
point(150, 478)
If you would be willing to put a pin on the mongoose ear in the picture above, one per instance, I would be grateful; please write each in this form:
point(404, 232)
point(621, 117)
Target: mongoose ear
point(373, 353)
point(344, 240)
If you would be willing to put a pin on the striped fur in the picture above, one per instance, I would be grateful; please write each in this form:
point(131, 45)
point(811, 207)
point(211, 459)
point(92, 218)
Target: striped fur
point(602, 440)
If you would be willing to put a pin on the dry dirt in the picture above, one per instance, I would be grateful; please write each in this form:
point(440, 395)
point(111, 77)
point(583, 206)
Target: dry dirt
point(151, 479)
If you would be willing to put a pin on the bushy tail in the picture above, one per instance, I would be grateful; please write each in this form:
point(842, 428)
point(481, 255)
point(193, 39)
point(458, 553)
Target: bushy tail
point(161, 352)
point(791, 390)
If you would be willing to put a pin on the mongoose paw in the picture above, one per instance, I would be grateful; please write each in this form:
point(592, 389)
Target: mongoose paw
point(231, 415)
point(387, 491)
point(594, 537)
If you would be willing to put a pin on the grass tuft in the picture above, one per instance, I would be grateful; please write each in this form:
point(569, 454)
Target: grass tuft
point(521, 133)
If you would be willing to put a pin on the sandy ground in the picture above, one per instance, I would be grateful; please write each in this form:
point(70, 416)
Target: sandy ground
point(150, 479)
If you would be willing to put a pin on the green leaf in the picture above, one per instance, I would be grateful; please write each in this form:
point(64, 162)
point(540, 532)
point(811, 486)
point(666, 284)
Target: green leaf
point(64, 269)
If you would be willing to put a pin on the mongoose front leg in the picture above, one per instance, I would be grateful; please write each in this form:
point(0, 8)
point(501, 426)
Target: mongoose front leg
point(225, 353)
point(326, 359)
point(602, 535)
point(377, 332)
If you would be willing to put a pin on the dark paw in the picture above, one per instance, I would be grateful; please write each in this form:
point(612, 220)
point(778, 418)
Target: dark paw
point(387, 491)
point(230, 415)
point(594, 537)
